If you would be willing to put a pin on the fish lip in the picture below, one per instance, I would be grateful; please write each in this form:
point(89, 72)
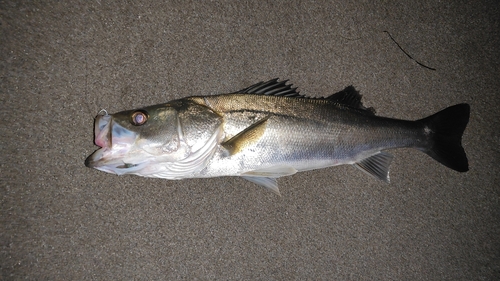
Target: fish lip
point(115, 143)
point(102, 137)
point(94, 159)
point(97, 160)
point(88, 161)
point(102, 130)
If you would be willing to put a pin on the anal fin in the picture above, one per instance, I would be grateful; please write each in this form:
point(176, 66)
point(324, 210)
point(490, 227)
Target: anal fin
point(376, 165)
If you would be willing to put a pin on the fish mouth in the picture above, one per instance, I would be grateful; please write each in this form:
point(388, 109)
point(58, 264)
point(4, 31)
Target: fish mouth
point(102, 129)
point(115, 144)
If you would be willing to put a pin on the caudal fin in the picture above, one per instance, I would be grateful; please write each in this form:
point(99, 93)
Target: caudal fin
point(444, 130)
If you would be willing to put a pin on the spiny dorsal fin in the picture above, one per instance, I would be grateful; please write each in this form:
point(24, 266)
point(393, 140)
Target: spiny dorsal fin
point(271, 88)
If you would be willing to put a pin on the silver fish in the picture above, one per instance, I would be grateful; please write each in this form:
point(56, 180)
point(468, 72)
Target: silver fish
point(267, 131)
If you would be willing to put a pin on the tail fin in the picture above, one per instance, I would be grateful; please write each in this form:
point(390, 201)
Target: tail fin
point(444, 130)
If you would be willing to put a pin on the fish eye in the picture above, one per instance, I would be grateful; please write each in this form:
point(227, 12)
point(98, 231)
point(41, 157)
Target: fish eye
point(139, 118)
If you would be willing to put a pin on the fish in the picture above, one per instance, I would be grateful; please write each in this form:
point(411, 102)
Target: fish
point(267, 131)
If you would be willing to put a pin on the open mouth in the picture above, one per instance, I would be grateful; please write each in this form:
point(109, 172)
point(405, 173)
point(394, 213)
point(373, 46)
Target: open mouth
point(102, 132)
point(115, 142)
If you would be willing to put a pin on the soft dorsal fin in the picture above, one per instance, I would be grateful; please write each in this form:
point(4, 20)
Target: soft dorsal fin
point(350, 97)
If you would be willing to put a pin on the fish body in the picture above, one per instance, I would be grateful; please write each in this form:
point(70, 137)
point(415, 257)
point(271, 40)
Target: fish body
point(267, 131)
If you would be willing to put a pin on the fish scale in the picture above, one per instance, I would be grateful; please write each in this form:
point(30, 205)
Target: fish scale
point(267, 131)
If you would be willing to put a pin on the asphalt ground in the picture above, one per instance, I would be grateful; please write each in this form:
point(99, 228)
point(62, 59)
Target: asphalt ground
point(63, 61)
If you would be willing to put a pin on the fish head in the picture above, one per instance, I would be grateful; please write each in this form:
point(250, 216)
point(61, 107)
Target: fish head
point(137, 141)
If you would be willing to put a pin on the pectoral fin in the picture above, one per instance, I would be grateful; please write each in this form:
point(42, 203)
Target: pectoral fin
point(376, 165)
point(246, 137)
